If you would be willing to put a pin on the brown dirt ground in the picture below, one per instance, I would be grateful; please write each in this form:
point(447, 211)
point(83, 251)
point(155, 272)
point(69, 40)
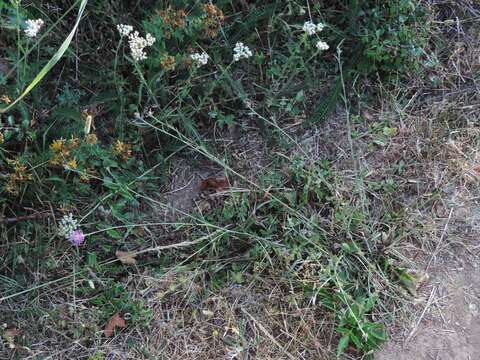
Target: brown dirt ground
point(445, 321)
point(449, 328)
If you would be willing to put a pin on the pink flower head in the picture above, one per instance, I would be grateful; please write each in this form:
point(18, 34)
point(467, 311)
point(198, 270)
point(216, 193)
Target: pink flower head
point(77, 237)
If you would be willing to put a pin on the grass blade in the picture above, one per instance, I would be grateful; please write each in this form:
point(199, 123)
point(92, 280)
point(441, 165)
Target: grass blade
point(52, 62)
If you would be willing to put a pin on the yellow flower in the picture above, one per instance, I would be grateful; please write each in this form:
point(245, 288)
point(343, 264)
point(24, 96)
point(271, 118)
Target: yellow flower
point(72, 164)
point(20, 174)
point(122, 149)
point(84, 178)
point(20, 171)
point(56, 160)
point(11, 188)
point(57, 145)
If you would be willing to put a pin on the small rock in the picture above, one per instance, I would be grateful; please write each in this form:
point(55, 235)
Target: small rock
point(473, 309)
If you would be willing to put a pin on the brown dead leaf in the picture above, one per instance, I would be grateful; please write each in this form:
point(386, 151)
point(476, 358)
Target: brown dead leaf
point(217, 184)
point(204, 206)
point(476, 168)
point(115, 321)
point(10, 334)
point(126, 258)
point(140, 231)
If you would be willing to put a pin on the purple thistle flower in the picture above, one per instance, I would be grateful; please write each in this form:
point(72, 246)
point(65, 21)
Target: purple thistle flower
point(77, 237)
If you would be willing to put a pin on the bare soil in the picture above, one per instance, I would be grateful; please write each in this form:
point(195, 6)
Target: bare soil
point(445, 316)
point(448, 327)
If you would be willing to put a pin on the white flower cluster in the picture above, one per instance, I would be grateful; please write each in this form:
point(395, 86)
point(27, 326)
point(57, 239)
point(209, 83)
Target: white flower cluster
point(124, 30)
point(322, 45)
point(241, 51)
point(311, 28)
point(200, 59)
point(68, 225)
point(33, 27)
point(136, 42)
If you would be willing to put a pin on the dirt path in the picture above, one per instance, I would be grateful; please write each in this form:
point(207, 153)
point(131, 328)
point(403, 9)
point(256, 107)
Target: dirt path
point(446, 325)
point(453, 332)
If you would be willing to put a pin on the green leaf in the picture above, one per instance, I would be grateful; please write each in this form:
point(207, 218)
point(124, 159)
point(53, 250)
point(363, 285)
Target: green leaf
point(356, 340)
point(370, 303)
point(390, 131)
point(114, 234)
point(91, 259)
point(55, 179)
point(411, 279)
point(238, 277)
point(327, 105)
point(376, 331)
point(342, 345)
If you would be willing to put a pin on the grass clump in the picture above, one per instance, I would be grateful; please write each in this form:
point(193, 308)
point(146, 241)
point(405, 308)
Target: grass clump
point(329, 248)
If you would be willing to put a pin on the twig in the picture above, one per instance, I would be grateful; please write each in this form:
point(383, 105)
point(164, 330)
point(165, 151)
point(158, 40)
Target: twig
point(441, 240)
point(13, 220)
point(414, 330)
point(172, 246)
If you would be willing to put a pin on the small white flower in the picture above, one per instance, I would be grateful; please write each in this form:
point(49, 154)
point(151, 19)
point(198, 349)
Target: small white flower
point(322, 45)
point(138, 44)
point(200, 58)
point(311, 29)
point(241, 51)
point(320, 27)
point(67, 226)
point(124, 30)
point(33, 27)
point(150, 39)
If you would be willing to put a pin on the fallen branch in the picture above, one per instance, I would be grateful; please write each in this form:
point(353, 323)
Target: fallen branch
point(13, 220)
